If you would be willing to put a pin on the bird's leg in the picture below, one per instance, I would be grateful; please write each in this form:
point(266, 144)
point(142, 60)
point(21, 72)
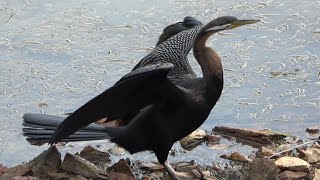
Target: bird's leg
point(195, 174)
point(170, 170)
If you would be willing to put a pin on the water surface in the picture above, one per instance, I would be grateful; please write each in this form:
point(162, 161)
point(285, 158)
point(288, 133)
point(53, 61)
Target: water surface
point(55, 56)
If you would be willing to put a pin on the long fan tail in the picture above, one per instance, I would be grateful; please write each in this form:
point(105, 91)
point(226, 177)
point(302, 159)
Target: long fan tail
point(38, 128)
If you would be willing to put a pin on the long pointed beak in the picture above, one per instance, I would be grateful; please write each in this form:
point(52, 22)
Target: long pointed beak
point(238, 23)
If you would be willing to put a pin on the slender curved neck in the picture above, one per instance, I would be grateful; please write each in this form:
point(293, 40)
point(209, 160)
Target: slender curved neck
point(207, 58)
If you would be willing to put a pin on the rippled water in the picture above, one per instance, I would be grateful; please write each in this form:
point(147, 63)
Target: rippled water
point(64, 53)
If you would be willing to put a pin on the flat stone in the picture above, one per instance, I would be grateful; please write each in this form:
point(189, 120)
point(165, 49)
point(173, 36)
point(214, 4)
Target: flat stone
point(80, 166)
point(185, 166)
point(235, 156)
point(292, 164)
point(98, 158)
point(151, 166)
point(256, 138)
point(269, 170)
point(212, 139)
point(289, 175)
point(193, 140)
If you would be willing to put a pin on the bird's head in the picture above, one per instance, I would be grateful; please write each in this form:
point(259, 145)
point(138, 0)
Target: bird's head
point(190, 22)
point(224, 23)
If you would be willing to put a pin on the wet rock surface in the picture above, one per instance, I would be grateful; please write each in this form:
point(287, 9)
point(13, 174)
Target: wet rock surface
point(251, 136)
point(261, 169)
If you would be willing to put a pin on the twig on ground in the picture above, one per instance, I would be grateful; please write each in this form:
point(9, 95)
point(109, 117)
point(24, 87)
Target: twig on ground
point(300, 145)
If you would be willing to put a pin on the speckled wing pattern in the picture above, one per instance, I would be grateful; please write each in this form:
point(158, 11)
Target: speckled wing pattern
point(148, 68)
point(175, 51)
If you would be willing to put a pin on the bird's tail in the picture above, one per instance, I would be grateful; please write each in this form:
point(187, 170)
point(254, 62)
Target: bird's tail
point(38, 128)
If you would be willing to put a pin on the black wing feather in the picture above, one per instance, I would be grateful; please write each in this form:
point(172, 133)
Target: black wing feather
point(136, 90)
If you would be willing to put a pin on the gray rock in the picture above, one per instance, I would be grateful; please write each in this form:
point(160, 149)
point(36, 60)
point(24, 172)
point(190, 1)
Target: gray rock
point(269, 170)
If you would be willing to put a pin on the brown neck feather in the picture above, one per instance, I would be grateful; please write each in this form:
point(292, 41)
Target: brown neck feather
point(208, 59)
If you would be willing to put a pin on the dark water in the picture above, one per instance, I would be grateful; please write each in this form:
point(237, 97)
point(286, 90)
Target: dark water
point(64, 53)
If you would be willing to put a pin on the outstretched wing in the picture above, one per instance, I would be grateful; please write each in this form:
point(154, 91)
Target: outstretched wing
point(140, 88)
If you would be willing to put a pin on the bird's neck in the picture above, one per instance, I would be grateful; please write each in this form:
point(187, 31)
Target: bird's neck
point(211, 66)
point(207, 58)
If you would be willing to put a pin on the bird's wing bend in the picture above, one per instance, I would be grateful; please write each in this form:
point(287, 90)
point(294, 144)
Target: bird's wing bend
point(141, 87)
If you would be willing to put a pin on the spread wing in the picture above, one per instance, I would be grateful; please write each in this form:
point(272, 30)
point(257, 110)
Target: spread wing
point(136, 90)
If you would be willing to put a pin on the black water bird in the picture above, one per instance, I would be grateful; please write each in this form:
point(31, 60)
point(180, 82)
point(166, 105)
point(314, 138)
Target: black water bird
point(168, 101)
point(166, 54)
